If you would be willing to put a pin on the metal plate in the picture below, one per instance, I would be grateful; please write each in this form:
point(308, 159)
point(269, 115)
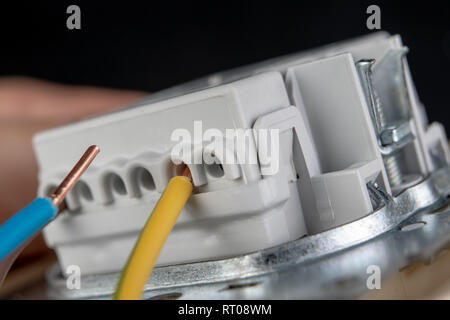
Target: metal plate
point(332, 264)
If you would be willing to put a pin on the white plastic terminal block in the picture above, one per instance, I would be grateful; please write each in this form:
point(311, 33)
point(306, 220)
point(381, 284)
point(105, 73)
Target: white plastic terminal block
point(333, 146)
point(120, 189)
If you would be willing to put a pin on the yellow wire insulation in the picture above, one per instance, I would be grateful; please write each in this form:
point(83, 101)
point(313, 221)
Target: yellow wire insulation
point(152, 238)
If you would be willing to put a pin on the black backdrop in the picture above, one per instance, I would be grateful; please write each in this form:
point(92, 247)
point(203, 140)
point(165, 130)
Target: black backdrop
point(151, 46)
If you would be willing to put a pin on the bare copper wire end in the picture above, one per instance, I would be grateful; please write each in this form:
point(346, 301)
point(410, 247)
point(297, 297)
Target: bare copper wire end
point(187, 172)
point(67, 184)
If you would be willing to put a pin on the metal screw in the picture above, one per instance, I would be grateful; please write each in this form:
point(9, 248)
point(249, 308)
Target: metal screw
point(391, 161)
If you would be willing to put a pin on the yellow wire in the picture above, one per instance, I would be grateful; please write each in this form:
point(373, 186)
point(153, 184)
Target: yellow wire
point(141, 261)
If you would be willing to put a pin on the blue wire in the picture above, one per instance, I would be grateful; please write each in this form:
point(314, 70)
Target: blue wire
point(24, 224)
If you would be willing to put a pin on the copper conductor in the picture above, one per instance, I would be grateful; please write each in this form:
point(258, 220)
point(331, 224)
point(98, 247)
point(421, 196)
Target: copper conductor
point(61, 191)
point(187, 173)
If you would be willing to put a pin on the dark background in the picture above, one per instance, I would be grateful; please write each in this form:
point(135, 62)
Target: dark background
point(150, 46)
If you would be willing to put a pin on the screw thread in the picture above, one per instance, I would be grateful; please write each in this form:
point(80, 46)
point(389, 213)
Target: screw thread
point(393, 170)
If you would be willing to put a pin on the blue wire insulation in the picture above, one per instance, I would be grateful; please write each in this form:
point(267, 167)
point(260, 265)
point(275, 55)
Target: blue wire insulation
point(25, 224)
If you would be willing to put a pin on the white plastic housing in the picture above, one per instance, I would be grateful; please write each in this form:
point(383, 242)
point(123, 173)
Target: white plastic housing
point(328, 155)
point(233, 214)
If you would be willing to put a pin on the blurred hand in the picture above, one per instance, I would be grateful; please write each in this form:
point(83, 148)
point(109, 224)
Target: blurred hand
point(28, 106)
